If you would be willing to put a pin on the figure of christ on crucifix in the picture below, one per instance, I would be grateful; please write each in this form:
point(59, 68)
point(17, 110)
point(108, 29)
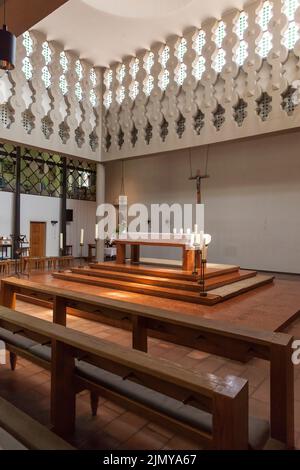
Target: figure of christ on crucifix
point(198, 178)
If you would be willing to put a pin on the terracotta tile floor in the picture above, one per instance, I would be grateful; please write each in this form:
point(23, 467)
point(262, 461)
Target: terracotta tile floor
point(114, 427)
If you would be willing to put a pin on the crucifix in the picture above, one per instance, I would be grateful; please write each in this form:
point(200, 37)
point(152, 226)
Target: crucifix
point(199, 177)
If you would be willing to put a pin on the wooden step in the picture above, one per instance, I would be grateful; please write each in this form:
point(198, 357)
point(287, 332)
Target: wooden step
point(190, 285)
point(176, 294)
point(238, 288)
point(212, 270)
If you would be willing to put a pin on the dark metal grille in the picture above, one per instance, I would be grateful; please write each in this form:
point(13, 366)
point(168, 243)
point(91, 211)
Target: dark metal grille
point(264, 106)
point(240, 112)
point(180, 125)
point(7, 167)
point(164, 129)
point(289, 100)
point(41, 174)
point(81, 178)
point(199, 121)
point(218, 117)
point(148, 132)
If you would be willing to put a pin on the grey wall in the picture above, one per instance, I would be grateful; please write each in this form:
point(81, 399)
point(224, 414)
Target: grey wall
point(252, 200)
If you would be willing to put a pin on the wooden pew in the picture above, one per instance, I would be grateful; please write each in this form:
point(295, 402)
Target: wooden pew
point(28, 432)
point(211, 336)
point(225, 400)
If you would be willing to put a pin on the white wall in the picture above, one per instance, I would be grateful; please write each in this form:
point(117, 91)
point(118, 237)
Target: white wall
point(252, 200)
point(84, 216)
point(47, 209)
point(6, 211)
point(42, 209)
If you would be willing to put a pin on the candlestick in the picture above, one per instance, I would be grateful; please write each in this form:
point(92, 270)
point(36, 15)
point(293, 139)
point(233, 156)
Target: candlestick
point(81, 236)
point(61, 241)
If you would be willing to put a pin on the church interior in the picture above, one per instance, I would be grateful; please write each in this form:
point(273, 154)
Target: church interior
point(149, 225)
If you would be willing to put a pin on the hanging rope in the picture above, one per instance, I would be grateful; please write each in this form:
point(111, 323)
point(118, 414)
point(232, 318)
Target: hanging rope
point(207, 160)
point(123, 180)
point(191, 166)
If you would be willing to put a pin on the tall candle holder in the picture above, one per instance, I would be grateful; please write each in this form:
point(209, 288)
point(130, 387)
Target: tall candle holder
point(81, 255)
point(196, 251)
point(203, 261)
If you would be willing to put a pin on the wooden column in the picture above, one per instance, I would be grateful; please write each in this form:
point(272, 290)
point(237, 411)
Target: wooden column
point(139, 333)
point(282, 394)
point(17, 205)
point(7, 296)
point(63, 394)
point(231, 420)
point(60, 311)
point(63, 209)
point(121, 253)
point(135, 254)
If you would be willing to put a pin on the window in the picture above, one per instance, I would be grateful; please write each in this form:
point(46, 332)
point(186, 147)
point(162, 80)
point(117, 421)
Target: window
point(164, 76)
point(199, 62)
point(181, 69)
point(264, 18)
point(78, 87)
point(291, 34)
point(107, 97)
point(149, 80)
point(27, 68)
point(47, 54)
point(93, 95)
point(120, 93)
point(241, 26)
point(64, 63)
point(220, 57)
point(134, 85)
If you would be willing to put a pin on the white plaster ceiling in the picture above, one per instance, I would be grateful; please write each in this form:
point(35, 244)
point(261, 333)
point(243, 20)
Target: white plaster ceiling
point(104, 31)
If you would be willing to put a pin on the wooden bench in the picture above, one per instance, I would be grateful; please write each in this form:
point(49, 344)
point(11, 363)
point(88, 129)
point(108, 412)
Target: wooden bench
point(212, 410)
point(20, 431)
point(214, 337)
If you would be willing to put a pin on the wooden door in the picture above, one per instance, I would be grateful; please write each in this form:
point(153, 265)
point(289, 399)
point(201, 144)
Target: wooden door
point(37, 239)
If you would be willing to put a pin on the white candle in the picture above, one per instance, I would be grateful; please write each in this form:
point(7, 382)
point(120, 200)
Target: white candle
point(97, 232)
point(188, 232)
point(181, 231)
point(192, 239)
point(81, 236)
point(201, 239)
point(196, 229)
point(197, 238)
point(61, 241)
point(174, 231)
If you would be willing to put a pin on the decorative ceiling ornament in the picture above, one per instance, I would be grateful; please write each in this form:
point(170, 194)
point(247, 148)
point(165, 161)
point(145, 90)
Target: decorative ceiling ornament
point(7, 46)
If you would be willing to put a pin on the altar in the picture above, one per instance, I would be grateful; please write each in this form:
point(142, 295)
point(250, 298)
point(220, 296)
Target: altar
point(135, 241)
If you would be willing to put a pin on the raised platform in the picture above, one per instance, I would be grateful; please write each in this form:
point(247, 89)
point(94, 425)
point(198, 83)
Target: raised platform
point(222, 282)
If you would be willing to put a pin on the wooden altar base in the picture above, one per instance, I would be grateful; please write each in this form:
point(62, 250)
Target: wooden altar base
point(222, 282)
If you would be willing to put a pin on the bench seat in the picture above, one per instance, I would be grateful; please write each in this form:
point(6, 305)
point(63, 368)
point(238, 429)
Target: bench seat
point(259, 431)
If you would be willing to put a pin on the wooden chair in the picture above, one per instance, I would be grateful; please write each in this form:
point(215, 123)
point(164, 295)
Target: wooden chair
point(22, 432)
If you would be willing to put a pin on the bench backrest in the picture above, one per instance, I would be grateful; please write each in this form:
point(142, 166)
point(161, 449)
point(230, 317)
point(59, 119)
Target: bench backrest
point(207, 335)
point(226, 400)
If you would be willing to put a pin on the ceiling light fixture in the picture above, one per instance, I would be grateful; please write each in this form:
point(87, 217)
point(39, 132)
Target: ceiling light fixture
point(7, 46)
